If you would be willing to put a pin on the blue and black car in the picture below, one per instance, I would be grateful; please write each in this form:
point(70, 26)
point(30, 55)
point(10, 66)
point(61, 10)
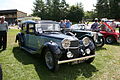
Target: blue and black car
point(81, 32)
point(45, 38)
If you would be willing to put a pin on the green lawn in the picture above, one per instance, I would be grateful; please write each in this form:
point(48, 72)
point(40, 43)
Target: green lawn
point(19, 65)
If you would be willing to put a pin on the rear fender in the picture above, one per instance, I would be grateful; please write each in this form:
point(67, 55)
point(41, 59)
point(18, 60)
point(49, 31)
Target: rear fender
point(19, 35)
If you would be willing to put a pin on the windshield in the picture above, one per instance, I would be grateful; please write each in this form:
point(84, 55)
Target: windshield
point(47, 27)
point(78, 26)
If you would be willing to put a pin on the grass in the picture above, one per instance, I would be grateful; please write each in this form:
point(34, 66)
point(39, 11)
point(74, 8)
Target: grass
point(19, 65)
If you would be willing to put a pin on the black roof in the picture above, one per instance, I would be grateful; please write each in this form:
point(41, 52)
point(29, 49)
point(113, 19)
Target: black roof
point(8, 11)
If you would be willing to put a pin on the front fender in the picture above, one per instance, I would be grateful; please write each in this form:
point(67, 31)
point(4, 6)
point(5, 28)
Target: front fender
point(54, 48)
point(99, 34)
point(86, 35)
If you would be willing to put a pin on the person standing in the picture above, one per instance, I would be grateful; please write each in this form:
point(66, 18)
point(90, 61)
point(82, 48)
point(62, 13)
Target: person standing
point(3, 32)
point(68, 24)
point(62, 24)
point(113, 25)
point(94, 26)
point(102, 26)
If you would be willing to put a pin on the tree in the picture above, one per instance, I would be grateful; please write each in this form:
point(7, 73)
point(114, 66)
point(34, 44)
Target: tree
point(90, 15)
point(75, 13)
point(63, 9)
point(39, 8)
point(108, 8)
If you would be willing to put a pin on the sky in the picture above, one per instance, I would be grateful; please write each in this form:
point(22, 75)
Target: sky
point(27, 5)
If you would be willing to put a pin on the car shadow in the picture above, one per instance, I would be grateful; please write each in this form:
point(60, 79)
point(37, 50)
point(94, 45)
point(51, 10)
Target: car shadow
point(115, 44)
point(100, 48)
point(66, 71)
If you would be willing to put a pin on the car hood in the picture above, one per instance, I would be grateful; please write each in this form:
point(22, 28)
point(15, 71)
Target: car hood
point(60, 36)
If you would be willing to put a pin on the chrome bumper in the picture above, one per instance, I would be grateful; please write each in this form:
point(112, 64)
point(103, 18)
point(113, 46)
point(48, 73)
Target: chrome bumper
point(76, 59)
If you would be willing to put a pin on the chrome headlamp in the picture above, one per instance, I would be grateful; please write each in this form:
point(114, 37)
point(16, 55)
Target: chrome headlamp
point(86, 41)
point(66, 43)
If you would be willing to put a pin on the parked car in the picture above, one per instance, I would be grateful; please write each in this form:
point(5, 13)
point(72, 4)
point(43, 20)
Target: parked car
point(81, 31)
point(45, 38)
point(110, 35)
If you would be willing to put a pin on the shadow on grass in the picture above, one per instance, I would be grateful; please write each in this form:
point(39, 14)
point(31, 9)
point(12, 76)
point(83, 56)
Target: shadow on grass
point(115, 44)
point(66, 71)
point(100, 48)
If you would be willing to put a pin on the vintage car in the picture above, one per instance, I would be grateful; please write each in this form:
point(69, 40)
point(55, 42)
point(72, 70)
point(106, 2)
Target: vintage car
point(45, 39)
point(81, 31)
point(109, 34)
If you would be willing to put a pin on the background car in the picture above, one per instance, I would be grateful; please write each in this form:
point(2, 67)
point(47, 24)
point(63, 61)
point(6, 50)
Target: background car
point(82, 31)
point(45, 38)
point(110, 35)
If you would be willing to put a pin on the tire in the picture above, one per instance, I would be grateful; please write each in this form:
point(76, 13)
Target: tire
point(101, 42)
point(0, 73)
point(110, 39)
point(20, 43)
point(50, 61)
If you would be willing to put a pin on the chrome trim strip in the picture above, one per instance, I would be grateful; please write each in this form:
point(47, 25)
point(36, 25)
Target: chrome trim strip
point(76, 59)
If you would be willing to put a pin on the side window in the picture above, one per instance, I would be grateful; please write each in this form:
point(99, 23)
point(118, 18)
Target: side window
point(31, 28)
point(24, 27)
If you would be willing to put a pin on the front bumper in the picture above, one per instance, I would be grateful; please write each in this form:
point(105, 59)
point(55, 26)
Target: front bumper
point(76, 59)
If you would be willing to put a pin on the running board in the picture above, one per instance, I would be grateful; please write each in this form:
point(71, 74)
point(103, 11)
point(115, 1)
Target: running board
point(28, 50)
point(76, 59)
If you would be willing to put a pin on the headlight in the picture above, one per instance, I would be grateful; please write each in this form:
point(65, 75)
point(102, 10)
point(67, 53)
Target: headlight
point(66, 43)
point(86, 41)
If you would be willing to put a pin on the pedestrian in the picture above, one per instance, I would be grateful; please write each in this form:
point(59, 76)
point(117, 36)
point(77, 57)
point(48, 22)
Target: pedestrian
point(62, 24)
point(3, 32)
point(102, 26)
point(94, 26)
point(113, 25)
point(68, 24)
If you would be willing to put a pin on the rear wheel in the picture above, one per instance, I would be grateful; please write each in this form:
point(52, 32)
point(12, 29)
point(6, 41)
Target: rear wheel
point(110, 39)
point(50, 60)
point(20, 43)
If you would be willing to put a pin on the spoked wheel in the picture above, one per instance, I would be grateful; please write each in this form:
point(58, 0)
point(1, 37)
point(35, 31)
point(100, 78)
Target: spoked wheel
point(101, 42)
point(51, 61)
point(110, 39)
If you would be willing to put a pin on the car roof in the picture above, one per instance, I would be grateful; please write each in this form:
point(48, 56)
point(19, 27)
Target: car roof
point(29, 21)
point(47, 22)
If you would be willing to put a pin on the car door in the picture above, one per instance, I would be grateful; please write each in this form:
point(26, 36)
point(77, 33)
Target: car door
point(31, 37)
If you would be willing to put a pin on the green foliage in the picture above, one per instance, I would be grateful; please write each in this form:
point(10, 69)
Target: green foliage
point(90, 15)
point(108, 8)
point(57, 10)
point(75, 13)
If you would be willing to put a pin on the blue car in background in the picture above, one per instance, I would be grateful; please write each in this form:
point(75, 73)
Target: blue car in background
point(45, 38)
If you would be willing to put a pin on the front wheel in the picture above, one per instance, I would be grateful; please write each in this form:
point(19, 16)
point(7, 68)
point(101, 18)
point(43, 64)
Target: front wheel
point(110, 39)
point(50, 60)
point(90, 60)
point(100, 42)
